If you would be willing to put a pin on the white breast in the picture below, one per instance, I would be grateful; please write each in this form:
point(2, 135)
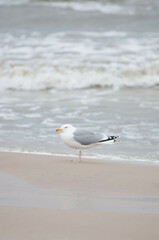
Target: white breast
point(67, 138)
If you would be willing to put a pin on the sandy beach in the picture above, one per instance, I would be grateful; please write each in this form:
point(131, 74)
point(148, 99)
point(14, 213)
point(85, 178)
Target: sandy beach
point(49, 197)
point(94, 65)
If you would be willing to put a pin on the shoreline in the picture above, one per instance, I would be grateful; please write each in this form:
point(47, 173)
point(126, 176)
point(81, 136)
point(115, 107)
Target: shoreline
point(49, 196)
point(99, 158)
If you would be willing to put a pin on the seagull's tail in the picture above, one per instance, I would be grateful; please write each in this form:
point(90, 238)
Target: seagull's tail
point(110, 139)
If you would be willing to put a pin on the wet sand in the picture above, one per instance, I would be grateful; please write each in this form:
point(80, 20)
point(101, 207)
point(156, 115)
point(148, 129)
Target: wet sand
point(49, 197)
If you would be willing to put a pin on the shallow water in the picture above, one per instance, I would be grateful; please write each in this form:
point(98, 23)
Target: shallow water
point(29, 120)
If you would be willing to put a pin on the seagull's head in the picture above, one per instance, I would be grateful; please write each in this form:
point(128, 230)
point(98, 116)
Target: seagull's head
point(65, 128)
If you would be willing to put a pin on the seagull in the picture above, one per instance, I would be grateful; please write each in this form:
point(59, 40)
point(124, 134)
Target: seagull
point(82, 138)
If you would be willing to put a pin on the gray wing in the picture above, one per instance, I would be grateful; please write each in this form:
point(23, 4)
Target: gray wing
point(86, 137)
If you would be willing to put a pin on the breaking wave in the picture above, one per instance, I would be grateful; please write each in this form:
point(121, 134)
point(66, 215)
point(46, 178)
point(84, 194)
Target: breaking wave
point(41, 76)
point(76, 60)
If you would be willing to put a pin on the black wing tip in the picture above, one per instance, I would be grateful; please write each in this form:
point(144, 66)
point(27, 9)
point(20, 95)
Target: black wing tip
point(110, 138)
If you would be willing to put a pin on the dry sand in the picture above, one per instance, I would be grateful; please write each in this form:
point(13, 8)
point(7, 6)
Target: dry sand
point(48, 197)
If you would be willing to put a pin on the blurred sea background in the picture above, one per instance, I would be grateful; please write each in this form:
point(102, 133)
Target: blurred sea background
point(94, 64)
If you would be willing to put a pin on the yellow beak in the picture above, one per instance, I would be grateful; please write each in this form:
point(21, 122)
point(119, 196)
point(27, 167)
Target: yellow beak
point(58, 129)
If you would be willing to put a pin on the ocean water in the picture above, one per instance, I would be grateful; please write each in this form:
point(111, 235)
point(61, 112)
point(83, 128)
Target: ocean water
point(94, 64)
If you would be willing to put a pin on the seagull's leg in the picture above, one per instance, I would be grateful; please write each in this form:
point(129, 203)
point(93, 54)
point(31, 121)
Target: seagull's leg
point(79, 159)
point(80, 154)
